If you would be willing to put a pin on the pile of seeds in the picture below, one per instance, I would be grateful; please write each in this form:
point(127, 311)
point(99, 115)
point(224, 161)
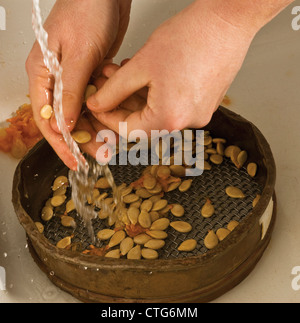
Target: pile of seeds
point(147, 217)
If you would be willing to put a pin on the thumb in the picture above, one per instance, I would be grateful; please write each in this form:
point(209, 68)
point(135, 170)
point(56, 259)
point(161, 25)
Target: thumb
point(121, 85)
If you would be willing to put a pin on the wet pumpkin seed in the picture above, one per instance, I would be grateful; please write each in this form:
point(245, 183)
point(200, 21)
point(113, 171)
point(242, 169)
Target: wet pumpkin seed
point(188, 245)
point(177, 170)
point(89, 91)
point(70, 206)
point(149, 182)
point(143, 193)
point(102, 183)
point(46, 112)
point(81, 136)
point(234, 155)
point(68, 221)
point(149, 253)
point(146, 205)
point(59, 182)
point(173, 186)
point(163, 172)
point(234, 192)
point(181, 226)
point(216, 159)
point(47, 213)
point(58, 200)
point(211, 240)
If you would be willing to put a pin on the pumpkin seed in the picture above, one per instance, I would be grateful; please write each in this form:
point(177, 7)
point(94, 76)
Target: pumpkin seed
point(220, 148)
point(232, 225)
point(134, 253)
point(149, 253)
point(143, 193)
point(59, 182)
point(102, 183)
point(68, 221)
point(47, 213)
point(207, 209)
point(60, 191)
point(185, 185)
point(219, 140)
point(130, 198)
point(46, 112)
point(241, 158)
point(255, 201)
point(181, 226)
point(154, 215)
point(127, 190)
point(58, 200)
point(163, 172)
point(222, 233)
point(81, 136)
point(234, 155)
point(159, 205)
point(113, 254)
point(146, 205)
point(157, 234)
point(173, 186)
point(154, 244)
point(207, 165)
point(126, 245)
point(89, 91)
point(149, 182)
point(252, 169)
point(177, 210)
point(70, 206)
point(141, 238)
point(177, 170)
point(156, 190)
point(216, 159)
point(116, 238)
point(188, 245)
point(160, 224)
point(105, 234)
point(228, 151)
point(39, 226)
point(207, 140)
point(133, 214)
point(64, 243)
point(144, 219)
point(234, 192)
point(211, 240)
point(211, 151)
point(103, 214)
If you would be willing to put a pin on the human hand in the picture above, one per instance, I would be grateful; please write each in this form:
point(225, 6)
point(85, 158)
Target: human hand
point(188, 64)
point(84, 35)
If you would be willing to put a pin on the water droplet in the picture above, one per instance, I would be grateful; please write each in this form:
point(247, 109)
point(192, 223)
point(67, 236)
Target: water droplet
point(4, 254)
point(51, 273)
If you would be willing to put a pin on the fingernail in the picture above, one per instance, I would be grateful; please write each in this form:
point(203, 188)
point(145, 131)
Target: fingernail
point(92, 102)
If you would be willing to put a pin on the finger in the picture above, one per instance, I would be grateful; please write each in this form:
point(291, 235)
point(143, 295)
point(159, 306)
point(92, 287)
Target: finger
point(134, 103)
point(126, 81)
point(76, 75)
point(40, 90)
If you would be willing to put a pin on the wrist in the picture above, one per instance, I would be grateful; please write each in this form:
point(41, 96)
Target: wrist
point(250, 16)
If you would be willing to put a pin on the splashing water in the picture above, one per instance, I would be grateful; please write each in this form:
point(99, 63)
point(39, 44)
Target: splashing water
point(88, 170)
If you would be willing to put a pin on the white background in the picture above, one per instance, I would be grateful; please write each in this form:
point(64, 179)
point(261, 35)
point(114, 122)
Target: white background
point(266, 92)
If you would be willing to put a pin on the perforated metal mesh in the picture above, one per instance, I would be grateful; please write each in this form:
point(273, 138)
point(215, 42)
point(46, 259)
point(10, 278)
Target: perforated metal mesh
point(211, 184)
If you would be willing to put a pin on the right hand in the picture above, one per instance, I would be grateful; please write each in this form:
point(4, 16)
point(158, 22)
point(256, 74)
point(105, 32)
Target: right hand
point(84, 35)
